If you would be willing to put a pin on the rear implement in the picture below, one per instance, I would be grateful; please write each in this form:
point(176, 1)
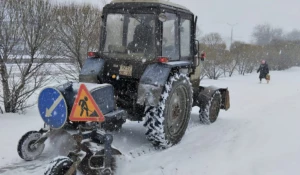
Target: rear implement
point(73, 103)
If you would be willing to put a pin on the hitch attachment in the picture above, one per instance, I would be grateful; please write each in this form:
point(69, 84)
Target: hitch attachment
point(102, 161)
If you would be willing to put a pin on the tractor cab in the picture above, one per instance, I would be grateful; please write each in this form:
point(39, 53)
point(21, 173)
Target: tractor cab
point(135, 34)
point(141, 41)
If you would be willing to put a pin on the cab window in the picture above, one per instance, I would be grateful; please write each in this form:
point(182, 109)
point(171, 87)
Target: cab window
point(170, 37)
point(185, 37)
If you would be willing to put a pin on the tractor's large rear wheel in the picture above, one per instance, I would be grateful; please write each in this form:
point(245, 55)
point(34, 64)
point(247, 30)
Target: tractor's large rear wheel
point(167, 123)
point(209, 112)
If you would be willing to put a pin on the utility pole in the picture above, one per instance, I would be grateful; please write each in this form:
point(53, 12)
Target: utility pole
point(232, 25)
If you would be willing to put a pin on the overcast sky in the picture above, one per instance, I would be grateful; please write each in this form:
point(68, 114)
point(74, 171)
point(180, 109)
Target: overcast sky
point(213, 15)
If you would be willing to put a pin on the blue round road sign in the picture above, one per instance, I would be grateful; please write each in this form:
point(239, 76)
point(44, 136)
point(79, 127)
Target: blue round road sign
point(52, 107)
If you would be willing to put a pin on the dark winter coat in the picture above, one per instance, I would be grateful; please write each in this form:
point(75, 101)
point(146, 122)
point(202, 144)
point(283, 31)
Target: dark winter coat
point(264, 70)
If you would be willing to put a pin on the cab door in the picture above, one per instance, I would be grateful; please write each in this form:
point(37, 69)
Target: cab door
point(170, 37)
point(185, 36)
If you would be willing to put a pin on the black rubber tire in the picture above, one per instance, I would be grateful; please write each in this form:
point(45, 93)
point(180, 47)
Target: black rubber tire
point(59, 166)
point(24, 143)
point(158, 118)
point(209, 113)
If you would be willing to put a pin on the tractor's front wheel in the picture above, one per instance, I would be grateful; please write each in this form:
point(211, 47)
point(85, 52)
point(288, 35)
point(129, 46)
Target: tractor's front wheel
point(209, 112)
point(167, 122)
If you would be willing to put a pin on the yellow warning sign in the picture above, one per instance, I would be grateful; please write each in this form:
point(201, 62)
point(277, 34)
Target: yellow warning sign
point(85, 107)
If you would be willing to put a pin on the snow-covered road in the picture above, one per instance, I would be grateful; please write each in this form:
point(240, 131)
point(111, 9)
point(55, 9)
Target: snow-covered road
point(257, 136)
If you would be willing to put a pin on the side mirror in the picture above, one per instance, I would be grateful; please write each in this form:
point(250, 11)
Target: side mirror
point(196, 47)
point(196, 53)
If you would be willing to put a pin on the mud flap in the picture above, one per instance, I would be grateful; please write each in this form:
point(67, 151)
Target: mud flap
point(225, 103)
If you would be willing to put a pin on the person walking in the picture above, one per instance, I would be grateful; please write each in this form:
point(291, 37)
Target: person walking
point(263, 71)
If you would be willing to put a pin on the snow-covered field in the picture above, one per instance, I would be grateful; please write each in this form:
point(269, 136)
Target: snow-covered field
point(257, 136)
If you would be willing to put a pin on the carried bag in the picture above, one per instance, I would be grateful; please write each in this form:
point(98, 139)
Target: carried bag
point(268, 77)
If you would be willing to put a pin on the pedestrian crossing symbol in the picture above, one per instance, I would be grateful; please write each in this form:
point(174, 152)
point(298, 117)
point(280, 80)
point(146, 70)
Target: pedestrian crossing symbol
point(85, 107)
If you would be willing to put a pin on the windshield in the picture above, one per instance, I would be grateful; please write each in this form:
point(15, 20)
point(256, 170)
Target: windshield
point(130, 36)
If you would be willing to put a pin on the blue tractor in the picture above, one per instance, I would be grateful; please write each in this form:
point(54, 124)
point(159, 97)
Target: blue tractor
point(147, 69)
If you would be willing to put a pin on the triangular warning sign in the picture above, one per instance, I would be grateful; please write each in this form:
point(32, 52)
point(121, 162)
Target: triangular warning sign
point(85, 107)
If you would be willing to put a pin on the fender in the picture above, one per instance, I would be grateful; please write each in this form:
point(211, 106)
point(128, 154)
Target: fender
point(153, 80)
point(152, 83)
point(92, 70)
point(206, 93)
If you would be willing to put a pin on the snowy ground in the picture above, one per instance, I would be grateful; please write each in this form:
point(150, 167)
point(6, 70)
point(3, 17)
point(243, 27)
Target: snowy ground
point(257, 136)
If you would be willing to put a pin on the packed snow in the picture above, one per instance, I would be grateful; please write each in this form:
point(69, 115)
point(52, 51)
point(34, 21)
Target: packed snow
point(258, 135)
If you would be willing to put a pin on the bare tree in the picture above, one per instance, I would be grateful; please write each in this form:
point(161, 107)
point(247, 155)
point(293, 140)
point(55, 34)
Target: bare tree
point(246, 56)
point(10, 38)
point(226, 63)
point(215, 49)
point(77, 33)
point(213, 40)
point(294, 35)
point(242, 52)
point(231, 60)
point(34, 27)
point(282, 54)
point(231, 67)
point(198, 33)
point(264, 34)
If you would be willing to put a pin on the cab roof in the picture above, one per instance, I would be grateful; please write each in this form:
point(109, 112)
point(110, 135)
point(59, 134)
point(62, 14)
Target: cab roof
point(163, 2)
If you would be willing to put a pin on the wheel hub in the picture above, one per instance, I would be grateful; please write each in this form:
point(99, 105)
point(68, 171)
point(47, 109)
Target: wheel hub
point(31, 146)
point(177, 110)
